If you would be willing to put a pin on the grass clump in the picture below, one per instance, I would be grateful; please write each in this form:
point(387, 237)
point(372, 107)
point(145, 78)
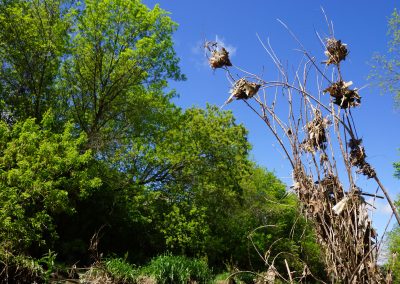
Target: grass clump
point(20, 268)
point(121, 271)
point(168, 269)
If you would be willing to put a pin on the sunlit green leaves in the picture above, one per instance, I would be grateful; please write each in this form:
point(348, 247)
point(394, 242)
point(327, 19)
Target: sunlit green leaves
point(386, 67)
point(90, 140)
point(40, 172)
point(33, 37)
point(120, 51)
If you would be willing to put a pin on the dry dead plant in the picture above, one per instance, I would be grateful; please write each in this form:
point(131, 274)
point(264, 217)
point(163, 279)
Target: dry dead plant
point(219, 56)
point(336, 51)
point(318, 136)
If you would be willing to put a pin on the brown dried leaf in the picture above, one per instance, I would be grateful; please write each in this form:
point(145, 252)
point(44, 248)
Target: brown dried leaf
point(336, 51)
point(219, 58)
point(243, 90)
point(342, 95)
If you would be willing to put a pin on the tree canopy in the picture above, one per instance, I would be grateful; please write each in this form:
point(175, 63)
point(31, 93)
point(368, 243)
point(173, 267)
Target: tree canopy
point(386, 73)
point(92, 145)
point(386, 67)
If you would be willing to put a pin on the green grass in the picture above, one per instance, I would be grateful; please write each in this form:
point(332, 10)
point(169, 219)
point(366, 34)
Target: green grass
point(168, 269)
point(121, 271)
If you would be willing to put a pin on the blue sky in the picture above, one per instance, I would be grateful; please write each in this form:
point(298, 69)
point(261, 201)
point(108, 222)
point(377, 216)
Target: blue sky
point(360, 24)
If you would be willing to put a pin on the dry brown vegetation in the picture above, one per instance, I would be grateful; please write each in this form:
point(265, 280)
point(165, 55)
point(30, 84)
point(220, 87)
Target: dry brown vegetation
point(318, 136)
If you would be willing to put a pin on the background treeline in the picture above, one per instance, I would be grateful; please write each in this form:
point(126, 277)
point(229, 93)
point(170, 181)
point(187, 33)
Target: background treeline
point(385, 74)
point(91, 144)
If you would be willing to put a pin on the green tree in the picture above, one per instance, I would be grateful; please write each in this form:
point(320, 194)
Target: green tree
point(394, 254)
point(102, 67)
point(33, 39)
point(210, 153)
point(217, 198)
point(42, 174)
point(397, 169)
point(386, 72)
point(386, 68)
point(121, 56)
point(91, 142)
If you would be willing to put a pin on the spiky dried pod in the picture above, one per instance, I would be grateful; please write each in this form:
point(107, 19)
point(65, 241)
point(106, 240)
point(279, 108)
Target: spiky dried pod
point(354, 143)
point(219, 58)
point(342, 95)
point(357, 158)
point(336, 51)
point(331, 185)
point(243, 90)
point(316, 135)
point(366, 170)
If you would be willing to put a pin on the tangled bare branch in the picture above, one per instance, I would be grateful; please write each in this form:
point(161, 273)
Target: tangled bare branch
point(319, 137)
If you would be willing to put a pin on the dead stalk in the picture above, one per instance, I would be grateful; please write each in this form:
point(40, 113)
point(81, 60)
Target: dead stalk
point(334, 204)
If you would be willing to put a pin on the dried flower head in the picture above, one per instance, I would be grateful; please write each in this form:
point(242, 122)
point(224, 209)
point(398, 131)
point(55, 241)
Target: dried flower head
point(357, 158)
point(342, 95)
point(331, 185)
point(243, 90)
point(316, 135)
point(336, 51)
point(219, 55)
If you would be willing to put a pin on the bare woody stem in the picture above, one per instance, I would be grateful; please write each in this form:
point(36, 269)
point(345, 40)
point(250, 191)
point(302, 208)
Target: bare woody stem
point(389, 199)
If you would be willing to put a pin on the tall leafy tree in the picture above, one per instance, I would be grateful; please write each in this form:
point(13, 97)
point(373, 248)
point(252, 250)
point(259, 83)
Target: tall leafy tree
point(217, 199)
point(90, 141)
point(102, 67)
point(121, 56)
point(386, 68)
point(386, 72)
point(33, 39)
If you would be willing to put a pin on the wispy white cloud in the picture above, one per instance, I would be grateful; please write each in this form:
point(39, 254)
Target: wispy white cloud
point(230, 48)
point(386, 209)
point(198, 48)
point(382, 207)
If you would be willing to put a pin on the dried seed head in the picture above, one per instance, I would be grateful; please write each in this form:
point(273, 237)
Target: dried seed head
point(316, 135)
point(331, 185)
point(342, 95)
point(367, 170)
point(243, 90)
point(357, 158)
point(219, 55)
point(336, 51)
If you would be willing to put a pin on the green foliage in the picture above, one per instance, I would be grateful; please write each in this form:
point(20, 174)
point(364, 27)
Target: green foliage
point(41, 172)
point(394, 254)
point(25, 269)
point(33, 38)
point(121, 56)
point(385, 68)
point(177, 269)
point(397, 169)
point(210, 154)
point(182, 230)
point(89, 139)
point(121, 271)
